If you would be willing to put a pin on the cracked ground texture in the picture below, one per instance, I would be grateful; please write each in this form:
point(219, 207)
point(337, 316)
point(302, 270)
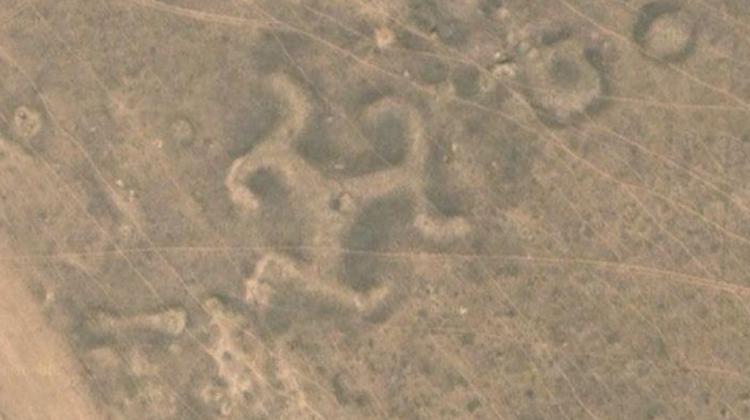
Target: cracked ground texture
point(360, 209)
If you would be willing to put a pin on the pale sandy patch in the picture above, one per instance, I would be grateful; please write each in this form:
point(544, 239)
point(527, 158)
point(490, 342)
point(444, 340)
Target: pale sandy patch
point(40, 378)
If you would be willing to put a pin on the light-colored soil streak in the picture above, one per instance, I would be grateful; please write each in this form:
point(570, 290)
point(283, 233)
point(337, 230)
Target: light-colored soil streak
point(40, 379)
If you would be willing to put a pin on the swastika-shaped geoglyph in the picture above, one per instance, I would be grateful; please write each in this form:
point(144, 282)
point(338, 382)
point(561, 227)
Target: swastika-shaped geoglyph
point(278, 155)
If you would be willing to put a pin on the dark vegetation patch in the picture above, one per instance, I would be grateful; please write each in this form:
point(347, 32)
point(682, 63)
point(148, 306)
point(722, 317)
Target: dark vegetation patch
point(381, 226)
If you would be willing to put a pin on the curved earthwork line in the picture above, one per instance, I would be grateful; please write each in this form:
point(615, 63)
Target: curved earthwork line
point(139, 274)
point(199, 16)
point(556, 140)
point(359, 60)
point(642, 205)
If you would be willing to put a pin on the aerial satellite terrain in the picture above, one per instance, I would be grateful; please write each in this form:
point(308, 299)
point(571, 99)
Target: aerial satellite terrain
point(374, 209)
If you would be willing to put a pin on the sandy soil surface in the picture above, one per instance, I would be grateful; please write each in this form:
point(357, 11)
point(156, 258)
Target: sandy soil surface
point(40, 377)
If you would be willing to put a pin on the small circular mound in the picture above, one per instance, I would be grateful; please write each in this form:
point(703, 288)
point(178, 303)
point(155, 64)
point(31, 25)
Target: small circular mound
point(665, 31)
point(26, 122)
point(563, 82)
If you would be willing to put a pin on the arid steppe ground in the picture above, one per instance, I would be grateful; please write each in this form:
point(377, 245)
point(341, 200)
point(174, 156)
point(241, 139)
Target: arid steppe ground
point(361, 209)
